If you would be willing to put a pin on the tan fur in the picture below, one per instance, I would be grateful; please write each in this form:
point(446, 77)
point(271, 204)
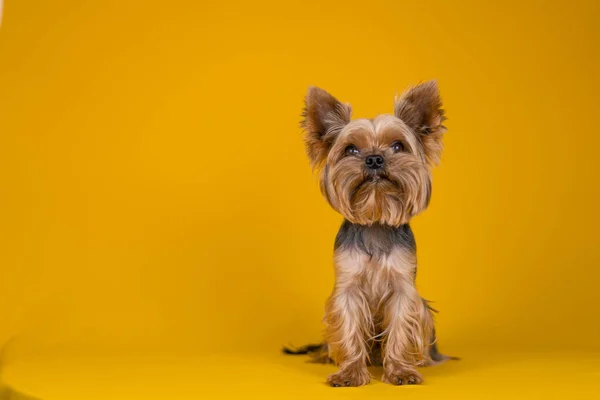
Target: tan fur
point(420, 107)
point(375, 299)
point(391, 201)
point(375, 302)
point(408, 324)
point(348, 320)
point(323, 118)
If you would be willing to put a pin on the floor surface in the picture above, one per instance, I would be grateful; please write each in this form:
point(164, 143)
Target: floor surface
point(273, 376)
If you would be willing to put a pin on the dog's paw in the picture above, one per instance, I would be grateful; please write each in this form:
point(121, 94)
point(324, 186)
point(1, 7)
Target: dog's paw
point(349, 377)
point(402, 377)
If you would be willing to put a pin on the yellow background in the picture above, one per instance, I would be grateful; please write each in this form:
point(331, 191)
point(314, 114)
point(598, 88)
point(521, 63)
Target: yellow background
point(162, 234)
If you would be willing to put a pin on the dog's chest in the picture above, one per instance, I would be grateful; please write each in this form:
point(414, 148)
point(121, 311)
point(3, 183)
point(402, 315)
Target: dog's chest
point(377, 258)
point(376, 241)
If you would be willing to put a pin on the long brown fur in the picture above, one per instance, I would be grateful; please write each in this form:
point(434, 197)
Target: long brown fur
point(375, 310)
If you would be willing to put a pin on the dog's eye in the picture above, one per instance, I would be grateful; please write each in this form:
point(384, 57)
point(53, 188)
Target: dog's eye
point(351, 150)
point(397, 146)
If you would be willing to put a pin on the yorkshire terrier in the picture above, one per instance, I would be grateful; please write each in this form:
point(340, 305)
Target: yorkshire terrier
point(377, 174)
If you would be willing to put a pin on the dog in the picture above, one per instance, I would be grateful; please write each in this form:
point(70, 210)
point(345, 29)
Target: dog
point(377, 174)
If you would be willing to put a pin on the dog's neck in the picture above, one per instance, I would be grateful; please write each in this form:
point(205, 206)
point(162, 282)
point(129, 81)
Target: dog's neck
point(375, 240)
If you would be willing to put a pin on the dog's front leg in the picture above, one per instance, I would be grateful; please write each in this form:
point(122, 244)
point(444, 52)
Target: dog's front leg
point(408, 326)
point(348, 322)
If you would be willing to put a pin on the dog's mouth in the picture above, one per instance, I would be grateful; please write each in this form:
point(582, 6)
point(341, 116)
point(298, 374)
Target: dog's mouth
point(377, 178)
point(374, 180)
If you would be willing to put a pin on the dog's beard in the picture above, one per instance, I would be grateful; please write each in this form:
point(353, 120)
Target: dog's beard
point(391, 196)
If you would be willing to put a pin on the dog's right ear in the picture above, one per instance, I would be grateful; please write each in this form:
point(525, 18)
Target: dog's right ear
point(323, 119)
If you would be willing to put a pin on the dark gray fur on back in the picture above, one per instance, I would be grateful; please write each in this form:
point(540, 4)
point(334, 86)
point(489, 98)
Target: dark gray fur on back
point(375, 240)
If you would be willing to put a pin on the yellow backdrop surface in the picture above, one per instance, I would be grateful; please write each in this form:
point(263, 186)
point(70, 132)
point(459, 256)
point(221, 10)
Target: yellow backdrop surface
point(162, 233)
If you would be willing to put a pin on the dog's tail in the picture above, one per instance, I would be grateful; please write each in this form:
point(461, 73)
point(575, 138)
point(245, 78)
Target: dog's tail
point(436, 357)
point(306, 349)
point(319, 352)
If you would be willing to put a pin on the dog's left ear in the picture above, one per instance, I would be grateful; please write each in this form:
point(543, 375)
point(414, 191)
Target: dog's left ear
point(420, 107)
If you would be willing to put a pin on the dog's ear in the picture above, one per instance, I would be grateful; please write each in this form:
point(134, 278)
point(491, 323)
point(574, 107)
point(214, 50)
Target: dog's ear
point(420, 107)
point(323, 119)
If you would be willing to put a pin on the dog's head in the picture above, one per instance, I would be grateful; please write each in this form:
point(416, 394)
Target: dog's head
point(376, 170)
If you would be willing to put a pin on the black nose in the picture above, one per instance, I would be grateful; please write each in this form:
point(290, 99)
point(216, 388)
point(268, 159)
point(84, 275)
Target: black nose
point(374, 161)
